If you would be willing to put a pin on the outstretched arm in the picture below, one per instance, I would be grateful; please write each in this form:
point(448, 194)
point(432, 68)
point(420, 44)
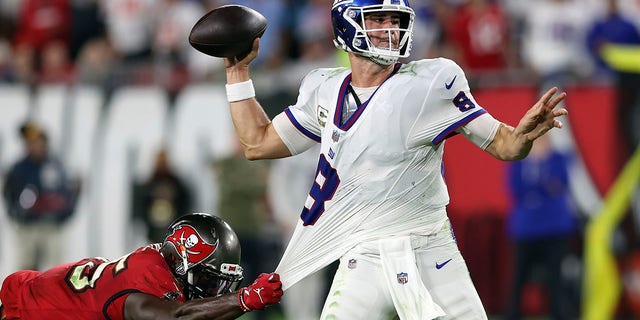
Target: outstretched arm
point(253, 127)
point(141, 306)
point(265, 291)
point(512, 143)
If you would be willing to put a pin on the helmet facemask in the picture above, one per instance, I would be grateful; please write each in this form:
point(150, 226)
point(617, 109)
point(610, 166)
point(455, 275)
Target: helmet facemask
point(352, 35)
point(203, 281)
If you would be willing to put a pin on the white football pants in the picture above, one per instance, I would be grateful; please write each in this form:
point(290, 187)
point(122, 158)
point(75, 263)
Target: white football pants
point(360, 291)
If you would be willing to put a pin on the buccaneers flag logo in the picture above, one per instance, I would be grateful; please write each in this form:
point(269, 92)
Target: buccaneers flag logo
point(191, 246)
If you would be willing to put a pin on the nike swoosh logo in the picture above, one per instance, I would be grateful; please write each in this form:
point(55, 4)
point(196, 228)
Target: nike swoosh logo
point(439, 266)
point(450, 84)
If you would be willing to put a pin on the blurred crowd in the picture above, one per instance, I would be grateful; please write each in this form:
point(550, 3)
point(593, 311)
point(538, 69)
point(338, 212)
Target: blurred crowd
point(132, 42)
point(117, 43)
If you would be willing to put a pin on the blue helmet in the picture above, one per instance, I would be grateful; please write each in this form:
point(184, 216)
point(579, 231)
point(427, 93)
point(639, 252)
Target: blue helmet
point(350, 33)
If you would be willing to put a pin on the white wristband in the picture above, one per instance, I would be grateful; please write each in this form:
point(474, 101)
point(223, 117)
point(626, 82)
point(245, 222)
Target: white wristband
point(240, 91)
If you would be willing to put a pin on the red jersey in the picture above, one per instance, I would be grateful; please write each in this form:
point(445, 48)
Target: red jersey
point(42, 22)
point(482, 34)
point(92, 288)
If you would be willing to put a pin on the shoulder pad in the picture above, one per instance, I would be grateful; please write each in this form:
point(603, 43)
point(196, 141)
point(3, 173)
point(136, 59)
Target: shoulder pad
point(315, 77)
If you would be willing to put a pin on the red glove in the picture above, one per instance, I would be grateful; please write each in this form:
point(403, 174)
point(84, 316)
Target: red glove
point(266, 290)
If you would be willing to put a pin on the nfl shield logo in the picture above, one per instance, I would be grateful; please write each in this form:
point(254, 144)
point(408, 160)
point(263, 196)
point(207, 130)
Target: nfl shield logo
point(352, 263)
point(335, 136)
point(403, 277)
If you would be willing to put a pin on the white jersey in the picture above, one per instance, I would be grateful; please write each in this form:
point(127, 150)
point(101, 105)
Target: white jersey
point(380, 172)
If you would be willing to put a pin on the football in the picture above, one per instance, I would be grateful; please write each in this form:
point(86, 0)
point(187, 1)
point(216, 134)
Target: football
point(227, 31)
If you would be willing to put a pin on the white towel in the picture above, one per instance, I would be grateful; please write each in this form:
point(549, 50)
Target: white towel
point(410, 297)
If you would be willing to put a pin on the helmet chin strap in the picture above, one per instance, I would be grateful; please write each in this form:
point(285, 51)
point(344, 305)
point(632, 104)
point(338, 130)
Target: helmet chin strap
point(382, 60)
point(378, 59)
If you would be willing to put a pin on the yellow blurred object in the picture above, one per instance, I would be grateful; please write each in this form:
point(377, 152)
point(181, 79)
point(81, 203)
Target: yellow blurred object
point(601, 282)
point(624, 58)
point(342, 57)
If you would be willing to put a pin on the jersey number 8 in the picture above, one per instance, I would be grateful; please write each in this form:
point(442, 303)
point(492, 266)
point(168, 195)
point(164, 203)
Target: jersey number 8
point(323, 189)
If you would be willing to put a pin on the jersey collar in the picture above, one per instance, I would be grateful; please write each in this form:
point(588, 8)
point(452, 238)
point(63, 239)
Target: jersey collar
point(337, 117)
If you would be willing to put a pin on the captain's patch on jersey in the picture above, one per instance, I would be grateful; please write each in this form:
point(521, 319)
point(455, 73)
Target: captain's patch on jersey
point(403, 278)
point(322, 114)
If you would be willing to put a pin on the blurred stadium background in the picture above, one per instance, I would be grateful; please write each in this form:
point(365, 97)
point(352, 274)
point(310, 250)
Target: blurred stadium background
point(112, 82)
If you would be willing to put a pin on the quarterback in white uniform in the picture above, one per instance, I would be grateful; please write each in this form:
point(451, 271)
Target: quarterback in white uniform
point(378, 200)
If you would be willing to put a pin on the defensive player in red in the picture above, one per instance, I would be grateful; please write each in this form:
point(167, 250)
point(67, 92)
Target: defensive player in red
point(193, 274)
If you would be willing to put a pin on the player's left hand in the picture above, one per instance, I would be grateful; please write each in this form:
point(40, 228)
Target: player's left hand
point(266, 290)
point(542, 116)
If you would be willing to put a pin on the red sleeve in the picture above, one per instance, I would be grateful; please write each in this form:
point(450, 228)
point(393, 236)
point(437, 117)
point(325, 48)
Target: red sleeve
point(10, 293)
